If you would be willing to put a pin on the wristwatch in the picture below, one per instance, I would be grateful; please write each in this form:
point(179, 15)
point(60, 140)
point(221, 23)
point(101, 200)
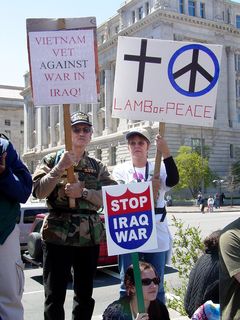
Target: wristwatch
point(84, 194)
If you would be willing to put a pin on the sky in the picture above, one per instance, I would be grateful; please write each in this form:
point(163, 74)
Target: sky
point(13, 36)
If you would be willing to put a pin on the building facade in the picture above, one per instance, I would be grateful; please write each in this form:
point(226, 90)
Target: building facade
point(199, 21)
point(11, 115)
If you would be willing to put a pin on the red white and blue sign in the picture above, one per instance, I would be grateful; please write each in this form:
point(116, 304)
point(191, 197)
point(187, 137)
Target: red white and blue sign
point(129, 218)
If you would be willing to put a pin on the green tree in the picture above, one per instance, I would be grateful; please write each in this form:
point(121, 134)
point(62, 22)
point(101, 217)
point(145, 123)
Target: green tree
point(192, 170)
point(233, 179)
point(187, 247)
point(235, 174)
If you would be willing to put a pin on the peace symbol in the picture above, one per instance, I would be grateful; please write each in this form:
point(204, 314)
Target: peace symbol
point(193, 68)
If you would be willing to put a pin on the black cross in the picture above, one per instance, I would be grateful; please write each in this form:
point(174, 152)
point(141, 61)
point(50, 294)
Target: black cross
point(142, 59)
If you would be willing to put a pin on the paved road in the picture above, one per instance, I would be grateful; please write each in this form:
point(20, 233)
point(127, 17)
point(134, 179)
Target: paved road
point(106, 284)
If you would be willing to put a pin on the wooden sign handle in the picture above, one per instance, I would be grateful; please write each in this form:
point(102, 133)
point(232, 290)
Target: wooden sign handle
point(68, 146)
point(158, 156)
point(61, 25)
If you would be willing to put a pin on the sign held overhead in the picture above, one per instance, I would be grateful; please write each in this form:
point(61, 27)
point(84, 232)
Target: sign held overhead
point(63, 63)
point(166, 81)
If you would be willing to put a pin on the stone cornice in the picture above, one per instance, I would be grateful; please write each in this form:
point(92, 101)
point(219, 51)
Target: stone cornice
point(171, 17)
point(26, 92)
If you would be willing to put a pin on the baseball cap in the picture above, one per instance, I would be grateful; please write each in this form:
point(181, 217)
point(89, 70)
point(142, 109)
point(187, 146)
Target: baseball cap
point(139, 132)
point(80, 117)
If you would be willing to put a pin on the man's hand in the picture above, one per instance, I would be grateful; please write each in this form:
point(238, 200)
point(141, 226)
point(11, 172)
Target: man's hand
point(67, 160)
point(74, 190)
point(3, 162)
point(156, 185)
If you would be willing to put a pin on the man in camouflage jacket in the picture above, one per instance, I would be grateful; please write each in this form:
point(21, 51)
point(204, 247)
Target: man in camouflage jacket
point(71, 236)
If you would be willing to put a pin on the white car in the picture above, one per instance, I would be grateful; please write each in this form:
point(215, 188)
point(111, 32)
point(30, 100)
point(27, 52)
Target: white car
point(29, 211)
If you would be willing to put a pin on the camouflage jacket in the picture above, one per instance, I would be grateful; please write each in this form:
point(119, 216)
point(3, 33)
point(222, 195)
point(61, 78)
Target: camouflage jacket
point(80, 226)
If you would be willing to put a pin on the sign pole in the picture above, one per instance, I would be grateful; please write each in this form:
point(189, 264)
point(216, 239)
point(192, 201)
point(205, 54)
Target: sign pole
point(67, 131)
point(68, 147)
point(158, 156)
point(138, 282)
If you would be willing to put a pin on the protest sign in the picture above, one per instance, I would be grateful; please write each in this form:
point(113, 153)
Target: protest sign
point(129, 218)
point(63, 62)
point(166, 81)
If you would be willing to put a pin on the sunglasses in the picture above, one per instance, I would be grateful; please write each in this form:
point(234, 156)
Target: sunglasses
point(134, 143)
point(148, 281)
point(84, 129)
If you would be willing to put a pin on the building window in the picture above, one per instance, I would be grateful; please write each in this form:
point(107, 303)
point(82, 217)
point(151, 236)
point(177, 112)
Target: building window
point(191, 8)
point(102, 77)
point(147, 8)
point(99, 154)
point(181, 6)
point(116, 29)
point(237, 89)
point(7, 122)
point(21, 122)
point(237, 62)
point(140, 13)
point(113, 156)
point(133, 16)
point(238, 117)
point(231, 151)
point(102, 38)
point(238, 22)
point(198, 145)
point(202, 10)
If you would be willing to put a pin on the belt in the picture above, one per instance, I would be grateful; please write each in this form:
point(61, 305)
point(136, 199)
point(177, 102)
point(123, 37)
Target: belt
point(161, 211)
point(71, 211)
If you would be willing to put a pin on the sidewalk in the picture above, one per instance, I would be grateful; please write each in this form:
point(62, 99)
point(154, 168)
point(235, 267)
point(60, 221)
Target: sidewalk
point(174, 315)
point(194, 208)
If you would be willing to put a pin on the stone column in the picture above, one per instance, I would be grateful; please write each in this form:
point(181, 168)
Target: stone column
point(28, 125)
point(95, 109)
point(185, 7)
point(61, 126)
point(231, 86)
point(108, 101)
point(197, 8)
point(52, 126)
point(156, 4)
point(38, 127)
point(44, 127)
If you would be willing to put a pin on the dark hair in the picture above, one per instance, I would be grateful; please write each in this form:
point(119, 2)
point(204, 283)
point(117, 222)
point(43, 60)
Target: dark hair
point(211, 242)
point(156, 309)
point(129, 275)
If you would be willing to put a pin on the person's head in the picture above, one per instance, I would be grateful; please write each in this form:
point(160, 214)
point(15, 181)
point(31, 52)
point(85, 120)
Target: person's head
point(211, 242)
point(150, 281)
point(81, 129)
point(138, 142)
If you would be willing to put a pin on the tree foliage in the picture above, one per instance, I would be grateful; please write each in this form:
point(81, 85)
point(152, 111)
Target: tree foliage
point(235, 175)
point(187, 247)
point(192, 170)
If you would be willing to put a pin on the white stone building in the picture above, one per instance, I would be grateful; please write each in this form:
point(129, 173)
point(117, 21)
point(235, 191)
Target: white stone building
point(202, 21)
point(11, 115)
